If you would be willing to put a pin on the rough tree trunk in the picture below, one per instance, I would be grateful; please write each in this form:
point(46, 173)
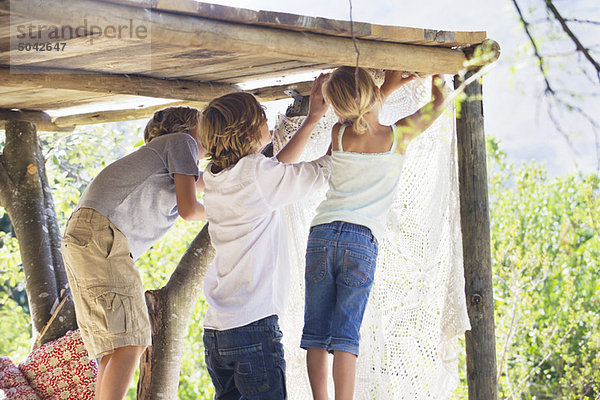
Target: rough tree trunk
point(170, 311)
point(27, 198)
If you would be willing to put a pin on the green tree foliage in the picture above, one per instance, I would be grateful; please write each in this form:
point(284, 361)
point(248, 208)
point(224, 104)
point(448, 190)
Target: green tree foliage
point(545, 255)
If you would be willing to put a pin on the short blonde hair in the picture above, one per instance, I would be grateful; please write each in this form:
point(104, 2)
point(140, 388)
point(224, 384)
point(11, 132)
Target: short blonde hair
point(171, 120)
point(230, 128)
point(349, 104)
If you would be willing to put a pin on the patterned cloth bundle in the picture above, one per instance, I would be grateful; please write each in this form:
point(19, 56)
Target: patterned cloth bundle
point(58, 370)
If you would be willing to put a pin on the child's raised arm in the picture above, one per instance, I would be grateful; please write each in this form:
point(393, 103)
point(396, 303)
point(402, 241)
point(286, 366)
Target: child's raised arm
point(290, 153)
point(413, 125)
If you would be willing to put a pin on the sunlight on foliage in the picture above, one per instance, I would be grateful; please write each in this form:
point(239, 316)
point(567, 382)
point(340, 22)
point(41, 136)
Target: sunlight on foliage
point(545, 254)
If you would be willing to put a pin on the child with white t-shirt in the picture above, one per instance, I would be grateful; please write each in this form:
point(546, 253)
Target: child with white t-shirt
point(247, 284)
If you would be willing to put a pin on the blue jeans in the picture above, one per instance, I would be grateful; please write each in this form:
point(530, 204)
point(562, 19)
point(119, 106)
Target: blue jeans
point(247, 362)
point(340, 266)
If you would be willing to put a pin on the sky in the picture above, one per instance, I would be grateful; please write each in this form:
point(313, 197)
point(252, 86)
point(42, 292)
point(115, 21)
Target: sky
point(514, 105)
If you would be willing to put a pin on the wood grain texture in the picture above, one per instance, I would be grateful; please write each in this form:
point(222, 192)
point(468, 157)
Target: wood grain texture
point(475, 226)
point(200, 42)
point(309, 23)
point(113, 84)
point(197, 32)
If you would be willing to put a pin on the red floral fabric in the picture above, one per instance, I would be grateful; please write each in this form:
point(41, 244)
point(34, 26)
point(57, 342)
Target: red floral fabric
point(58, 370)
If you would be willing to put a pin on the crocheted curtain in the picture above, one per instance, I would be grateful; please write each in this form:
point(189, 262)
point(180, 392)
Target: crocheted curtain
point(417, 308)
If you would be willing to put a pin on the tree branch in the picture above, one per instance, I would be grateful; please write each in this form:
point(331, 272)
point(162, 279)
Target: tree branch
point(535, 47)
point(573, 37)
point(4, 183)
point(170, 310)
point(582, 21)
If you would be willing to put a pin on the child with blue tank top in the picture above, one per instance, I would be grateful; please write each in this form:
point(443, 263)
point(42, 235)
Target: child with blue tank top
point(341, 254)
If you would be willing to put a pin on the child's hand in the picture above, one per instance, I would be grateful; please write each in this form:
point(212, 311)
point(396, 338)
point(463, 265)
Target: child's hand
point(317, 106)
point(397, 78)
point(438, 90)
point(394, 80)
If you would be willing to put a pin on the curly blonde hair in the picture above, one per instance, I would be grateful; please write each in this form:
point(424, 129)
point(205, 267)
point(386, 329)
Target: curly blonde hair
point(171, 120)
point(349, 104)
point(230, 128)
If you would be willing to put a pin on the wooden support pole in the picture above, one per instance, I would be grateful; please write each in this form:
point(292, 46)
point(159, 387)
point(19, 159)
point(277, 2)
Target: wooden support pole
point(475, 226)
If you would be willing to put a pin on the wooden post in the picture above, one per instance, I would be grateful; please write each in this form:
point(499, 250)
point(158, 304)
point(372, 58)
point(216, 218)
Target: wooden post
point(475, 226)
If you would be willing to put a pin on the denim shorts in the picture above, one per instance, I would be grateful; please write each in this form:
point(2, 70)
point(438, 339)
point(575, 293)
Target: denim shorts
point(247, 362)
point(340, 266)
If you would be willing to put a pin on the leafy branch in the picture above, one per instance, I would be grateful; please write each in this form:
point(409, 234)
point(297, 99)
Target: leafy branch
point(556, 97)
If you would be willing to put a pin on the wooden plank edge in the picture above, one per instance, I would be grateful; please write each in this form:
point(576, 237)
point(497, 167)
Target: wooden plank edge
point(289, 21)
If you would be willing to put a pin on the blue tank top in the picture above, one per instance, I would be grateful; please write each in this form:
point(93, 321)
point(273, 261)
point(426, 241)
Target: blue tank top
point(362, 187)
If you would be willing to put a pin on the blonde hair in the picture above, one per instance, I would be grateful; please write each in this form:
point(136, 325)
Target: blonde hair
point(171, 120)
point(350, 104)
point(230, 128)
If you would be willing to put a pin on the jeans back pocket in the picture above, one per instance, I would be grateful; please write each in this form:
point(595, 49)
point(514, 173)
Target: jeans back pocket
point(358, 268)
point(316, 264)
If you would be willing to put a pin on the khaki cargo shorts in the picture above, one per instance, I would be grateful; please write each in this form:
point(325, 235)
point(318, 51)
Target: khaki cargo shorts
point(107, 288)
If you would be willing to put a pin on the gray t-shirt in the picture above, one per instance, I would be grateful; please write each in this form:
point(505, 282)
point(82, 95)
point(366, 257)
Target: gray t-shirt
point(137, 192)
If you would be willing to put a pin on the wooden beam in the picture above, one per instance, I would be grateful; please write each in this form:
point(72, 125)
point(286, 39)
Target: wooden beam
point(100, 117)
point(313, 24)
point(24, 115)
point(133, 114)
point(271, 93)
point(135, 85)
point(42, 121)
point(113, 83)
point(196, 32)
point(475, 224)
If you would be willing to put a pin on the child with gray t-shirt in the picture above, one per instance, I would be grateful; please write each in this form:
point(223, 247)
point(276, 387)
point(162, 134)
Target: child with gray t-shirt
point(127, 208)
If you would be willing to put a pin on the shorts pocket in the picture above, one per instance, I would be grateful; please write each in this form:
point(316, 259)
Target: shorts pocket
point(110, 309)
point(358, 268)
point(78, 232)
point(250, 374)
point(316, 264)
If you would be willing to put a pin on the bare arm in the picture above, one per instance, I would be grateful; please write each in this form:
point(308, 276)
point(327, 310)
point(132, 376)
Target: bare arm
point(413, 125)
point(290, 153)
point(187, 205)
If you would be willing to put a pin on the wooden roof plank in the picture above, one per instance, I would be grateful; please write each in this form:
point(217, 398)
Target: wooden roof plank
point(308, 23)
point(113, 84)
point(199, 32)
point(63, 88)
point(263, 94)
point(72, 50)
point(45, 99)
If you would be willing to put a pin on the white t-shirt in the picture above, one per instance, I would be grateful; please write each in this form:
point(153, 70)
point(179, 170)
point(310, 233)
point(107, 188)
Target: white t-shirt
point(249, 277)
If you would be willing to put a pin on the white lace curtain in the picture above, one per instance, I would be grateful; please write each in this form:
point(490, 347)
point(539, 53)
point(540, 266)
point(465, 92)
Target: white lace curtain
point(417, 308)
